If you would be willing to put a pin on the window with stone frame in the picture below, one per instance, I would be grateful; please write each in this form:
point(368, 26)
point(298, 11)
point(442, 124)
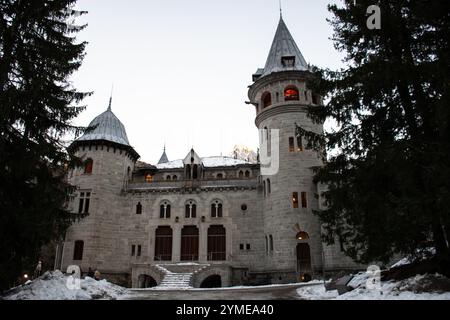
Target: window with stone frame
point(291, 93)
point(84, 202)
point(295, 200)
point(191, 210)
point(88, 166)
point(139, 208)
point(266, 100)
point(216, 209)
point(78, 250)
point(304, 200)
point(165, 208)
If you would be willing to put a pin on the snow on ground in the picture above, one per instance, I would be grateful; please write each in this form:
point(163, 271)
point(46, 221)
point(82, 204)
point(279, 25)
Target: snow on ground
point(408, 289)
point(421, 255)
point(53, 286)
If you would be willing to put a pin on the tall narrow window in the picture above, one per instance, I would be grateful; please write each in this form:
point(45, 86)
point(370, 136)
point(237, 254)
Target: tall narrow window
point(267, 244)
point(85, 202)
point(216, 209)
point(195, 172)
point(291, 144)
point(217, 243)
point(266, 100)
point(133, 250)
point(271, 242)
point(269, 186)
point(304, 200)
point(295, 200)
point(188, 172)
point(139, 208)
point(88, 166)
point(163, 244)
point(139, 250)
point(78, 250)
point(264, 188)
point(299, 143)
point(164, 212)
point(291, 94)
point(191, 210)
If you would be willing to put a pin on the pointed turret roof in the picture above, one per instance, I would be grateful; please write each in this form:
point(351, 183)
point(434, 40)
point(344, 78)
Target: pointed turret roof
point(106, 127)
point(164, 158)
point(281, 53)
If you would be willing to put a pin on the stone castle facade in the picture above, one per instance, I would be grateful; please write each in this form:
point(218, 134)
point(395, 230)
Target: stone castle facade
point(220, 220)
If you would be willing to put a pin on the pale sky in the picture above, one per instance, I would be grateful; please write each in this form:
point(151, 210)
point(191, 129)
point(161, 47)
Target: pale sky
point(181, 69)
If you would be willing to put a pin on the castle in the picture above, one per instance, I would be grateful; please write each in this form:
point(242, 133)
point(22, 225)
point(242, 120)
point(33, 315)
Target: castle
point(214, 221)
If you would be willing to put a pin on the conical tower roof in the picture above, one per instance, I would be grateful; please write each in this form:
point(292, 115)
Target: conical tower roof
point(283, 50)
point(164, 158)
point(106, 127)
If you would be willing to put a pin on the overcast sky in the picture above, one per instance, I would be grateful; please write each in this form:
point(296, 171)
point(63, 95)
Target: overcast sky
point(181, 69)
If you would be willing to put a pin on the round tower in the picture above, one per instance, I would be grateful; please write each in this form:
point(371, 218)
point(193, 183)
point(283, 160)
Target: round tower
point(108, 162)
point(281, 97)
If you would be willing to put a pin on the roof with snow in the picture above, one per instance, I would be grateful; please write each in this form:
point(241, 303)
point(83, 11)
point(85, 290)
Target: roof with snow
point(283, 47)
point(210, 162)
point(106, 127)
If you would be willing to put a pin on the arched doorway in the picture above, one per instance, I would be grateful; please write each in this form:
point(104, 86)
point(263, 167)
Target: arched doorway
point(214, 281)
point(146, 281)
point(189, 243)
point(304, 267)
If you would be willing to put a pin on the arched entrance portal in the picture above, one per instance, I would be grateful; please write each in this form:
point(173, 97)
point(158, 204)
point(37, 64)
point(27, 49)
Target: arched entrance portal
point(146, 281)
point(214, 281)
point(304, 267)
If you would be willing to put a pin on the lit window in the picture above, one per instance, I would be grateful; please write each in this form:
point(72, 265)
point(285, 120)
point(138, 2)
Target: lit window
point(291, 94)
point(295, 200)
point(302, 236)
point(148, 177)
point(291, 144)
point(299, 143)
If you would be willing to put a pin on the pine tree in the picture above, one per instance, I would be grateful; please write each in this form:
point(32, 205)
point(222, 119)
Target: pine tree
point(388, 164)
point(38, 54)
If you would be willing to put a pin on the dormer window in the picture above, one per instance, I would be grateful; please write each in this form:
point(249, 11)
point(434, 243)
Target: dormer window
point(288, 61)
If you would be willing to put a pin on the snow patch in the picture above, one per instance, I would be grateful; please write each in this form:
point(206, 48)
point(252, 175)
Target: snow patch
point(53, 286)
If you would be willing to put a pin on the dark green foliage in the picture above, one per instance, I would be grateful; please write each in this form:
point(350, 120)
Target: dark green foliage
point(38, 53)
point(388, 164)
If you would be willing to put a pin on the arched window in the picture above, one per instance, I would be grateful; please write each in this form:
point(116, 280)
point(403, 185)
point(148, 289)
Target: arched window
point(241, 174)
point(191, 209)
point(168, 178)
point(219, 176)
point(164, 210)
point(269, 186)
point(291, 94)
point(266, 100)
point(139, 208)
point(302, 236)
point(216, 209)
point(175, 177)
point(88, 166)
point(148, 177)
point(78, 250)
point(247, 174)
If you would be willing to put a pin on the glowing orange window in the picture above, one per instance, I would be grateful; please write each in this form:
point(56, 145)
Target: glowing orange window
point(291, 94)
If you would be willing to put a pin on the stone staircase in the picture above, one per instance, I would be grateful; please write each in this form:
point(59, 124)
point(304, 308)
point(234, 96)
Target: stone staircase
point(178, 276)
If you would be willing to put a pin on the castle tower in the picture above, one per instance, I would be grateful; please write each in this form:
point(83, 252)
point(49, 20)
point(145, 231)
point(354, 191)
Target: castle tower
point(108, 163)
point(280, 94)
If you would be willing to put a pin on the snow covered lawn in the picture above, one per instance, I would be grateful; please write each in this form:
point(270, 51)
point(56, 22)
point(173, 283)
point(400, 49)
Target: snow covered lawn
point(409, 289)
point(53, 286)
